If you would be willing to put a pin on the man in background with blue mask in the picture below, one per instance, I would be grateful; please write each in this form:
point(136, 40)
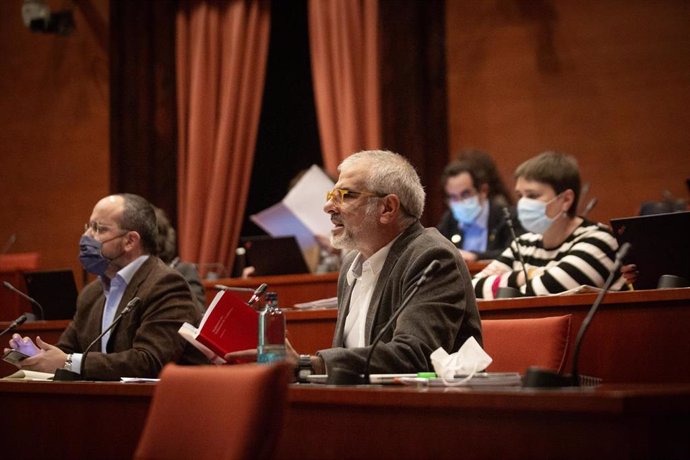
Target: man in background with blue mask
point(561, 250)
point(119, 245)
point(474, 222)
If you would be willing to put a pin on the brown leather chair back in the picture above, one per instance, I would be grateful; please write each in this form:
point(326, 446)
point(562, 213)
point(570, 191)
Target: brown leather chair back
point(215, 412)
point(515, 344)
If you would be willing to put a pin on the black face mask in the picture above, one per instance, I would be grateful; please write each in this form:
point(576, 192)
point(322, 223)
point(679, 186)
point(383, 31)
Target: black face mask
point(91, 255)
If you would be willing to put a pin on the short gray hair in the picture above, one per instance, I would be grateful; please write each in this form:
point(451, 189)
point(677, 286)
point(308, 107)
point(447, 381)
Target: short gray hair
point(391, 173)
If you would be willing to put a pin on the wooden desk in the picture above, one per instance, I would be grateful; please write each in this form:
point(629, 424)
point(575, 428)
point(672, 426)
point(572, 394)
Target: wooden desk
point(104, 420)
point(639, 336)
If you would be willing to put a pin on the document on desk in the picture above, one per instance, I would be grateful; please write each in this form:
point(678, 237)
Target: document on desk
point(29, 375)
point(138, 380)
point(480, 379)
point(330, 302)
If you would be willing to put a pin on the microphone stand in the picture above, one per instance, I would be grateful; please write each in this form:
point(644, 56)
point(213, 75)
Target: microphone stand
point(8, 244)
point(15, 324)
point(9, 286)
point(535, 377)
point(516, 252)
point(340, 376)
point(65, 375)
point(256, 293)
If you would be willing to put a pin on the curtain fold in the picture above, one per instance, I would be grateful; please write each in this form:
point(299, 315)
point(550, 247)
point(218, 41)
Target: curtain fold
point(344, 55)
point(222, 49)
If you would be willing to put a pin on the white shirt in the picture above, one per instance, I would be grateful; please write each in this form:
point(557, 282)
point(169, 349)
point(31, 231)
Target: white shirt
point(363, 274)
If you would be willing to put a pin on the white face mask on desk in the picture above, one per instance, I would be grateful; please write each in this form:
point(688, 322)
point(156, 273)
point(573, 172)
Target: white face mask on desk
point(469, 359)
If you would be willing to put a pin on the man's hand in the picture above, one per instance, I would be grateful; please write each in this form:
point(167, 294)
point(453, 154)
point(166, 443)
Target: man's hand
point(630, 273)
point(22, 344)
point(241, 356)
point(48, 359)
point(250, 355)
point(467, 255)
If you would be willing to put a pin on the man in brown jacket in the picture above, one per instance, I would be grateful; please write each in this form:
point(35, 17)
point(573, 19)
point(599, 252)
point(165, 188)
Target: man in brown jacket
point(119, 246)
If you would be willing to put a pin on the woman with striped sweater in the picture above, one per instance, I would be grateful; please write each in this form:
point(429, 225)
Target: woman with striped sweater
point(560, 250)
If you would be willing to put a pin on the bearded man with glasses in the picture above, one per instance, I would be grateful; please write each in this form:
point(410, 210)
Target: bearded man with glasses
point(375, 209)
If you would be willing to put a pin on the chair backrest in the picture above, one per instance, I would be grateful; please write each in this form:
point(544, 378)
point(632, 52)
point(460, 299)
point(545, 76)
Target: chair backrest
point(515, 344)
point(215, 412)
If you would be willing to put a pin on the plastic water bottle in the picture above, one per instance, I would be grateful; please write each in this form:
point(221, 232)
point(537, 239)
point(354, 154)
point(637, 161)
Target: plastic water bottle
point(271, 343)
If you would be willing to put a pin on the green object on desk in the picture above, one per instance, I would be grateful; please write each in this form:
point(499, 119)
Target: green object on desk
point(426, 375)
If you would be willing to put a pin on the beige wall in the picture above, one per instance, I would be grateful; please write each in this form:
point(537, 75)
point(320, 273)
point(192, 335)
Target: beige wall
point(607, 81)
point(53, 136)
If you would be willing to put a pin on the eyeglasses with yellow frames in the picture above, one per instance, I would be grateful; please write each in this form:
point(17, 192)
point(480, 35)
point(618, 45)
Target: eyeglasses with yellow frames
point(338, 194)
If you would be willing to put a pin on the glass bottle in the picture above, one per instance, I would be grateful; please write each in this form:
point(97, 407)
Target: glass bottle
point(271, 341)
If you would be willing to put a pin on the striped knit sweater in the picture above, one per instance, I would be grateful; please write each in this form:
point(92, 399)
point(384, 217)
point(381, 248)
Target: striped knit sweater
point(586, 257)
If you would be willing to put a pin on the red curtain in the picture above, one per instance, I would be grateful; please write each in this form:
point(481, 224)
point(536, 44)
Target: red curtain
point(344, 55)
point(222, 48)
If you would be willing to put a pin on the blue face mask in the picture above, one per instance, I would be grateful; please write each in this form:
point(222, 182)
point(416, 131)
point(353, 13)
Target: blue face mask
point(467, 210)
point(532, 215)
point(91, 255)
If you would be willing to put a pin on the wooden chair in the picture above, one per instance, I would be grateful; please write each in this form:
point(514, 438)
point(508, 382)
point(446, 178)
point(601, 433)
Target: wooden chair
point(515, 344)
point(215, 412)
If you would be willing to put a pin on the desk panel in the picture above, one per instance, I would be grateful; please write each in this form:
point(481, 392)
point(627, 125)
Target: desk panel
point(105, 420)
point(291, 289)
point(638, 336)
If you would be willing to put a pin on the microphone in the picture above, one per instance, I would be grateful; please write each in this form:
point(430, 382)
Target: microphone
point(15, 324)
point(516, 252)
point(8, 244)
point(67, 375)
point(173, 263)
point(347, 377)
point(257, 294)
point(220, 287)
point(535, 377)
point(30, 299)
point(590, 205)
point(584, 190)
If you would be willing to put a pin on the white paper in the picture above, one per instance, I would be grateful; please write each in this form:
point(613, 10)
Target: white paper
point(306, 200)
point(330, 302)
point(24, 374)
point(300, 213)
